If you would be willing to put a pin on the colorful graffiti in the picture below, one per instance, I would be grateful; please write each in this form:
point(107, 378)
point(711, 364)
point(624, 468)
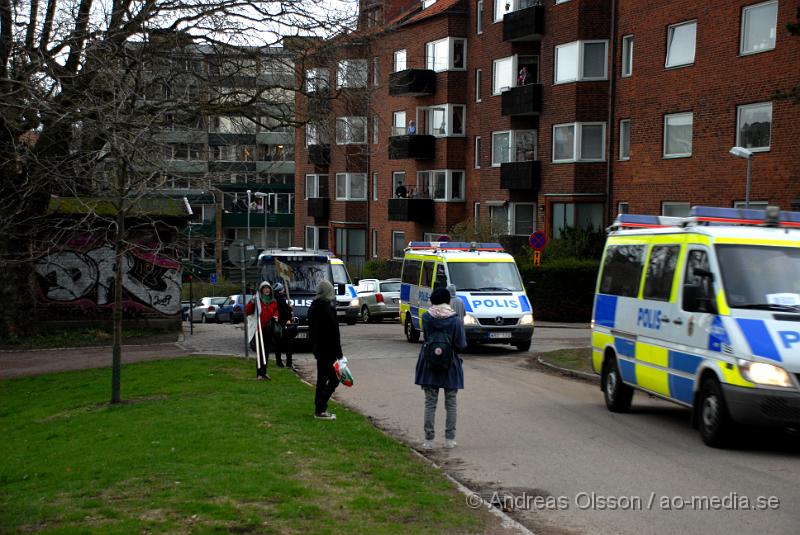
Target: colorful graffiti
point(82, 275)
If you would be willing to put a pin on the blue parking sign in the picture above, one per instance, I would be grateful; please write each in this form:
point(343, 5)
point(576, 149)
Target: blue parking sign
point(213, 278)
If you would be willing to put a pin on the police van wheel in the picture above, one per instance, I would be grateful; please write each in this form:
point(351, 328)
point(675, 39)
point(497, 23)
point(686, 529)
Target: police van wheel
point(523, 346)
point(713, 418)
point(412, 335)
point(617, 394)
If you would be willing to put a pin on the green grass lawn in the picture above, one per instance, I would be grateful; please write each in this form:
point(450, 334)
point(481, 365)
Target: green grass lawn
point(88, 336)
point(199, 446)
point(579, 359)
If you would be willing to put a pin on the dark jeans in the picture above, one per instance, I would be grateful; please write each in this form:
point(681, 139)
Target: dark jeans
point(284, 346)
point(326, 384)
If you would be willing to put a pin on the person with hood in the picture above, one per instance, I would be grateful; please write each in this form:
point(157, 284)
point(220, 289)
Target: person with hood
point(267, 310)
point(455, 302)
point(284, 345)
point(323, 327)
point(441, 318)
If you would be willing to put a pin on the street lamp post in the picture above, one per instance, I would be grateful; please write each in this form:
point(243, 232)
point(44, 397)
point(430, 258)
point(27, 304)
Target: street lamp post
point(248, 215)
point(264, 202)
point(741, 152)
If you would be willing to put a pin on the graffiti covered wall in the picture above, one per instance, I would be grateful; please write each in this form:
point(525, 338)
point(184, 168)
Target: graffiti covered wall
point(77, 282)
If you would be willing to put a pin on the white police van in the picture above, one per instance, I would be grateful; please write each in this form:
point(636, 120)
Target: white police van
point(487, 281)
point(703, 311)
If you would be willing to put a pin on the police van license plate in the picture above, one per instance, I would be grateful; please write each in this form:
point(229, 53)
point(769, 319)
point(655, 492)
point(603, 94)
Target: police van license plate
point(499, 335)
point(302, 335)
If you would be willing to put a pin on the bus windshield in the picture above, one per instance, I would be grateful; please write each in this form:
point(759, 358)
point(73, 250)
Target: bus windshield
point(760, 276)
point(305, 274)
point(485, 276)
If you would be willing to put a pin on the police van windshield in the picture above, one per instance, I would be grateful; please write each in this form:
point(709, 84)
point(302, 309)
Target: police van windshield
point(760, 277)
point(304, 274)
point(485, 276)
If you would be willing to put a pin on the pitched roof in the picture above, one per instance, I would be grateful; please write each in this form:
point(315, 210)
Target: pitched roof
point(436, 9)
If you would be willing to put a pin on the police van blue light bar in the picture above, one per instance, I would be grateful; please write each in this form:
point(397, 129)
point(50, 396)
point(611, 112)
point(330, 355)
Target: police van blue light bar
point(744, 216)
point(645, 221)
point(455, 246)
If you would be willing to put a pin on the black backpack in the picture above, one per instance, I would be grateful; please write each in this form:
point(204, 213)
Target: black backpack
point(438, 351)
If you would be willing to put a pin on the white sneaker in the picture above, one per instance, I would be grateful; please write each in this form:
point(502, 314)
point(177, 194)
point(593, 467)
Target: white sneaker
point(325, 416)
point(427, 445)
point(450, 444)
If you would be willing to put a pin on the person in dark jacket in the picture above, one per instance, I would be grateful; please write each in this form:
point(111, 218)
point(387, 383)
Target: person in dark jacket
point(284, 345)
point(441, 317)
point(323, 327)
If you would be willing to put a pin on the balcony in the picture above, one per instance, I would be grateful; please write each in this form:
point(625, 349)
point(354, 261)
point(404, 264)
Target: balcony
point(525, 175)
point(239, 219)
point(416, 147)
point(416, 210)
point(318, 207)
point(319, 154)
point(524, 24)
point(412, 83)
point(522, 100)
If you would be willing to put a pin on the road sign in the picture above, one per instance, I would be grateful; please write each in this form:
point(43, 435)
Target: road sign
point(242, 253)
point(213, 278)
point(537, 240)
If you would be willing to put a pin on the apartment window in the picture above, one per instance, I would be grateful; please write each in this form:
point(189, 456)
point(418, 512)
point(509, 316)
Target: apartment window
point(587, 216)
point(445, 120)
point(398, 244)
point(523, 217)
point(477, 152)
point(513, 146)
point(627, 55)
point(374, 243)
point(503, 74)
point(317, 238)
point(374, 186)
point(316, 186)
point(478, 81)
point(351, 246)
point(675, 209)
point(579, 142)
point(351, 130)
point(759, 27)
point(498, 217)
point(479, 22)
point(754, 126)
point(441, 185)
point(351, 186)
point(446, 54)
point(625, 139)
point(399, 123)
point(399, 179)
point(622, 208)
point(754, 205)
point(501, 7)
point(316, 134)
point(317, 80)
point(476, 213)
point(678, 135)
point(581, 61)
point(399, 60)
point(375, 120)
point(681, 41)
point(352, 73)
point(376, 72)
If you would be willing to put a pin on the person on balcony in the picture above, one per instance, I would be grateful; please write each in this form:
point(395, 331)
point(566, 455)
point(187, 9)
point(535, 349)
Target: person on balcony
point(412, 128)
point(401, 192)
point(524, 77)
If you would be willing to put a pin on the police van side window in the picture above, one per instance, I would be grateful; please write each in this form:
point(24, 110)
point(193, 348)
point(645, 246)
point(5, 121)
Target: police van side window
point(661, 272)
point(427, 274)
point(441, 277)
point(622, 270)
point(698, 287)
point(411, 272)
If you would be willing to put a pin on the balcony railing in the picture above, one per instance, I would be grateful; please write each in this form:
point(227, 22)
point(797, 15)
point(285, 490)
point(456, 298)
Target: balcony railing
point(416, 147)
point(417, 210)
point(412, 83)
point(525, 175)
point(524, 24)
point(319, 154)
point(522, 100)
point(239, 219)
point(318, 207)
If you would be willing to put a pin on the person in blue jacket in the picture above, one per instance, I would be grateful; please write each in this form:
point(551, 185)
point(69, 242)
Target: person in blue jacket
point(441, 317)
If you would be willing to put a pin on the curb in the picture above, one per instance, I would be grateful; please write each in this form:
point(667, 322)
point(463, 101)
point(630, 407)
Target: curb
point(547, 325)
point(566, 371)
point(82, 348)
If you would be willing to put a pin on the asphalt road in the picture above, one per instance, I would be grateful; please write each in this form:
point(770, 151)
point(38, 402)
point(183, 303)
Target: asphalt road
point(551, 442)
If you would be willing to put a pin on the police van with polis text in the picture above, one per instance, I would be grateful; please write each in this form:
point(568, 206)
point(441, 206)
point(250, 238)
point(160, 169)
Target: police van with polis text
point(487, 282)
point(300, 271)
point(703, 311)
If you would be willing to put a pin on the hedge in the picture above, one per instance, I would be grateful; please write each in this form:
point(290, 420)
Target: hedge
point(382, 269)
point(563, 290)
point(204, 289)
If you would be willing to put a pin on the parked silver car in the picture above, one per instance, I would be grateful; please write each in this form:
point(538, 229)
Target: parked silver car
point(206, 309)
point(378, 299)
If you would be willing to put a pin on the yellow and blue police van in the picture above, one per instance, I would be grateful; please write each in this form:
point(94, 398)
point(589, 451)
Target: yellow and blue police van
point(487, 281)
point(703, 311)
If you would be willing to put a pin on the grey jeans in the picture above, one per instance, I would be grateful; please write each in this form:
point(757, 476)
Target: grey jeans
point(431, 399)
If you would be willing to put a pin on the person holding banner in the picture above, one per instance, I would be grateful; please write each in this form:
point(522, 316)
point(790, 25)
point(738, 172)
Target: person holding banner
point(265, 310)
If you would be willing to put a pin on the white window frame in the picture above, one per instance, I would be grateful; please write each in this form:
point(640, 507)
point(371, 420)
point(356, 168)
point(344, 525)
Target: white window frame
point(512, 5)
point(397, 128)
point(512, 217)
point(623, 157)
point(743, 30)
point(450, 43)
point(620, 204)
point(512, 145)
point(342, 72)
point(739, 110)
point(394, 233)
point(477, 155)
point(399, 59)
point(479, 17)
point(317, 79)
point(627, 56)
point(448, 181)
point(579, 73)
point(315, 189)
point(450, 111)
point(315, 133)
point(670, 33)
point(349, 178)
point(316, 233)
point(478, 82)
point(498, 90)
point(577, 156)
point(344, 127)
point(394, 182)
point(664, 142)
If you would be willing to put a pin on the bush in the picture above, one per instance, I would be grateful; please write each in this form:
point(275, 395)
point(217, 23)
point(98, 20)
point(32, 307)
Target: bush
point(382, 269)
point(576, 243)
point(563, 290)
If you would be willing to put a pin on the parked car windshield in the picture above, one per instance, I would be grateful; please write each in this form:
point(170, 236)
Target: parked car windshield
point(760, 276)
point(305, 274)
point(486, 276)
point(390, 287)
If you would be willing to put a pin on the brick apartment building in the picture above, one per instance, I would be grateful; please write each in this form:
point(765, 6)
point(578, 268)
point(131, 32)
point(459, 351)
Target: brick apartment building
point(540, 116)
